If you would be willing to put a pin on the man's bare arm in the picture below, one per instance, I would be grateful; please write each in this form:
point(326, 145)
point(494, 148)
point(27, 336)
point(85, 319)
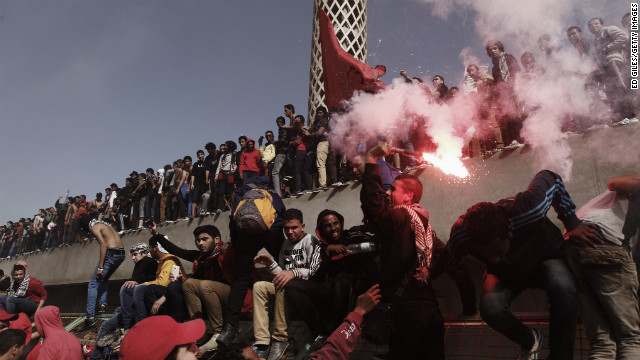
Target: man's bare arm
point(103, 247)
point(40, 305)
point(629, 184)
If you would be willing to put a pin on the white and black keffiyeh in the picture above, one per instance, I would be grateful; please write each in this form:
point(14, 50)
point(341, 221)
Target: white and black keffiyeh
point(22, 288)
point(504, 68)
point(423, 239)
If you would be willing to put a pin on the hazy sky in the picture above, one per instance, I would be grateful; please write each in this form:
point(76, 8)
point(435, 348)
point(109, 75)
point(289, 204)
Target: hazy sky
point(91, 90)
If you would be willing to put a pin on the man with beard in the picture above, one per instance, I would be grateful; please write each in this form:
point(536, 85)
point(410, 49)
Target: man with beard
point(406, 255)
point(206, 292)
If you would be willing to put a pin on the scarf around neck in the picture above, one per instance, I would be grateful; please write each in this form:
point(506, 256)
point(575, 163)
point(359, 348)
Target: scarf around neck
point(22, 288)
point(504, 68)
point(423, 238)
point(206, 261)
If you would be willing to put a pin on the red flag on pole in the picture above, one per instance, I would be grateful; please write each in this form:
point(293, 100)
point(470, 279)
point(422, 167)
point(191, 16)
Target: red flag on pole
point(342, 73)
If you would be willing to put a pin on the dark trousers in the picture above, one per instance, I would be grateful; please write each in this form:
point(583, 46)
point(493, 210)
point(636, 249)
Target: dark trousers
point(344, 289)
point(552, 275)
point(302, 167)
point(418, 331)
point(247, 247)
point(312, 302)
point(174, 306)
point(223, 188)
point(246, 175)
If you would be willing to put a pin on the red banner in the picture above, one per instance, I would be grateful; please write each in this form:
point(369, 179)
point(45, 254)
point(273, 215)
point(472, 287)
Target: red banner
point(342, 73)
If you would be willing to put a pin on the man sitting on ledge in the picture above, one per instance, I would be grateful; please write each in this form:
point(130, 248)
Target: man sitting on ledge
point(26, 293)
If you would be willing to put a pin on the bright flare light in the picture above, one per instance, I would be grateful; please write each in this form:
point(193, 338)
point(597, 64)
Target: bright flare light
point(448, 163)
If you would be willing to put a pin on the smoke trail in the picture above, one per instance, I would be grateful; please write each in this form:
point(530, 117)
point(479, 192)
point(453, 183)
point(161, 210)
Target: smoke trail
point(552, 104)
point(391, 114)
point(559, 97)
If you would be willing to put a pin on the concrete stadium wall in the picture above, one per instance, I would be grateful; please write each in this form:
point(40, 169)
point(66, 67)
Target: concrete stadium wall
point(596, 157)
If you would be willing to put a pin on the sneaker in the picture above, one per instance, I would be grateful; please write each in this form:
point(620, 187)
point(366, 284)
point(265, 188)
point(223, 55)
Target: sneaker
point(116, 345)
point(87, 324)
point(316, 345)
point(625, 121)
point(381, 357)
point(261, 350)
point(218, 211)
point(102, 308)
point(228, 335)
point(210, 345)
point(337, 183)
point(277, 350)
point(534, 352)
point(109, 338)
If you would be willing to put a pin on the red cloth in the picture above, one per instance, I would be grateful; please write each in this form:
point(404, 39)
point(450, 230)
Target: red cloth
point(342, 73)
point(23, 323)
point(36, 291)
point(250, 161)
point(342, 341)
point(58, 343)
point(301, 145)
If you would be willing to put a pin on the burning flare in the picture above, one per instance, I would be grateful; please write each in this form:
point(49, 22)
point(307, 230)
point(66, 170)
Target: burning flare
point(449, 163)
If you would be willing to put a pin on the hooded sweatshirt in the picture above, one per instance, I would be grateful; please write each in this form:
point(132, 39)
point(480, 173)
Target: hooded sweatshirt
point(58, 343)
point(250, 160)
point(23, 323)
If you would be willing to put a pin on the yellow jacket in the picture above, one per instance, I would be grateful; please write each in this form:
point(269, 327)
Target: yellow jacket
point(165, 265)
point(267, 154)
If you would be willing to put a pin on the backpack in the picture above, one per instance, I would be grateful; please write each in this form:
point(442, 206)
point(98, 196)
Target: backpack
point(255, 212)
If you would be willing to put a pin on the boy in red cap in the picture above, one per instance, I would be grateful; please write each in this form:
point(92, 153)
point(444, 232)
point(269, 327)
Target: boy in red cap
point(160, 337)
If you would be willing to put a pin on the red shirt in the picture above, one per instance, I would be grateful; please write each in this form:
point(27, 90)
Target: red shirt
point(36, 291)
point(300, 144)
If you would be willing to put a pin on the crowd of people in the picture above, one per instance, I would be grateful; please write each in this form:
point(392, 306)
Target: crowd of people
point(600, 63)
point(299, 157)
point(393, 257)
point(298, 161)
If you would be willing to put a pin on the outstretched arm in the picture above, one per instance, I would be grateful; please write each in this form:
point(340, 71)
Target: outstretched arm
point(629, 184)
point(343, 340)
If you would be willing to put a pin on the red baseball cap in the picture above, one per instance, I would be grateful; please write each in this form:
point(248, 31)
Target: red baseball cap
point(154, 337)
point(4, 316)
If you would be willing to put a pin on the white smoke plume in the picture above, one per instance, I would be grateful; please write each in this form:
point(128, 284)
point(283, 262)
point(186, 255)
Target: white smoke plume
point(551, 103)
point(392, 112)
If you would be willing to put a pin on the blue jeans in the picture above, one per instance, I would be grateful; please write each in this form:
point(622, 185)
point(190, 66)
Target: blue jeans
point(16, 305)
point(127, 306)
point(551, 275)
point(107, 327)
point(98, 287)
point(141, 312)
point(132, 303)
